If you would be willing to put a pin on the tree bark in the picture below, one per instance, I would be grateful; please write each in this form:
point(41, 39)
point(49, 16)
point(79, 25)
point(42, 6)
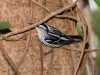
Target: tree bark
point(19, 13)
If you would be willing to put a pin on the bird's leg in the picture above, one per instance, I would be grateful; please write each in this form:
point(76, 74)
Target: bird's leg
point(48, 52)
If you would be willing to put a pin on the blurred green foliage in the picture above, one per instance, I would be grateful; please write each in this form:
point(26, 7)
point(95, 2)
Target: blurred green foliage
point(96, 22)
point(98, 3)
point(4, 25)
point(96, 27)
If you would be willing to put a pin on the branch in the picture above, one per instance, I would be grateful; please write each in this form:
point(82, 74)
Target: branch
point(92, 65)
point(26, 49)
point(67, 16)
point(41, 58)
point(41, 21)
point(85, 31)
point(92, 50)
point(41, 6)
point(85, 50)
point(13, 65)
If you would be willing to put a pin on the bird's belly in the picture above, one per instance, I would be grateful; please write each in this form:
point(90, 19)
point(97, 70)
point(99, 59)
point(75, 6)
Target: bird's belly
point(48, 44)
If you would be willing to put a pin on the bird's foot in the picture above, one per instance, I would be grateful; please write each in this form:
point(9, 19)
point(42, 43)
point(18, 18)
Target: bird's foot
point(46, 53)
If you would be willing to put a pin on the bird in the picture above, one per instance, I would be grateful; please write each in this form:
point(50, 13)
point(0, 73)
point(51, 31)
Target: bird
point(54, 38)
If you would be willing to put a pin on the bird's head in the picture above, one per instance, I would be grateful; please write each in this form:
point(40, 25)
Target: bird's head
point(43, 26)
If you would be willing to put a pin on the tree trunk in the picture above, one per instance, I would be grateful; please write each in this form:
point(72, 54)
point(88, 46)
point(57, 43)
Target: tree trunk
point(19, 13)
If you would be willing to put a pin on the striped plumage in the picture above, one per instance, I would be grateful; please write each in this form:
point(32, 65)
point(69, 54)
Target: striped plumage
point(53, 37)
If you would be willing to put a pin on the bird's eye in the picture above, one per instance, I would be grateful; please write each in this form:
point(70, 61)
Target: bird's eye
point(37, 26)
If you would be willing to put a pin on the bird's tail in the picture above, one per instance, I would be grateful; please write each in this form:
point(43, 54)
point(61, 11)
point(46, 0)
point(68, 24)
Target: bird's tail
point(77, 38)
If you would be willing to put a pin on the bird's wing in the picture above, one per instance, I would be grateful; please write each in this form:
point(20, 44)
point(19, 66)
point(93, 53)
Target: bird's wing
point(55, 31)
point(55, 36)
point(51, 38)
point(54, 39)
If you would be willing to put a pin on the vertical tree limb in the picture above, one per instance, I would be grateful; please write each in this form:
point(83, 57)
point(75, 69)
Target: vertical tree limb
point(8, 58)
point(84, 4)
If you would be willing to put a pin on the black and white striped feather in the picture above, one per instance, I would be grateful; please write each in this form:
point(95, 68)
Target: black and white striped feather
point(53, 37)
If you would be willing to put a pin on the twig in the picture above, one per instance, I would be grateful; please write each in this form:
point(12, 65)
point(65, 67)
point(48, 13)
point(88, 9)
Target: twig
point(92, 65)
point(82, 65)
point(26, 49)
point(28, 40)
point(8, 58)
point(84, 41)
point(41, 21)
point(92, 50)
point(85, 50)
point(51, 62)
point(41, 58)
point(14, 38)
point(67, 16)
point(41, 6)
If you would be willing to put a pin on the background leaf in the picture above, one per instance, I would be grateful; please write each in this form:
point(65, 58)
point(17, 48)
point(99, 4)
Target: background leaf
point(4, 25)
point(98, 3)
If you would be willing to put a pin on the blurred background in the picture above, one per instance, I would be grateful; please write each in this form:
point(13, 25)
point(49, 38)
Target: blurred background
point(96, 27)
point(95, 15)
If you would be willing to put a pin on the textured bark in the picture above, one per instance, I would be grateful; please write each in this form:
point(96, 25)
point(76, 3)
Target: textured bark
point(19, 13)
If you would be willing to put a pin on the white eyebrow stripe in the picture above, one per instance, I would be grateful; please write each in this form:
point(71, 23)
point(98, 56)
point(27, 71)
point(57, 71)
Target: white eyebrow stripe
point(42, 26)
point(47, 26)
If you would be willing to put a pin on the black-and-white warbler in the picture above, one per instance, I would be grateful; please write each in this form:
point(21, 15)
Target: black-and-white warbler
point(53, 37)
